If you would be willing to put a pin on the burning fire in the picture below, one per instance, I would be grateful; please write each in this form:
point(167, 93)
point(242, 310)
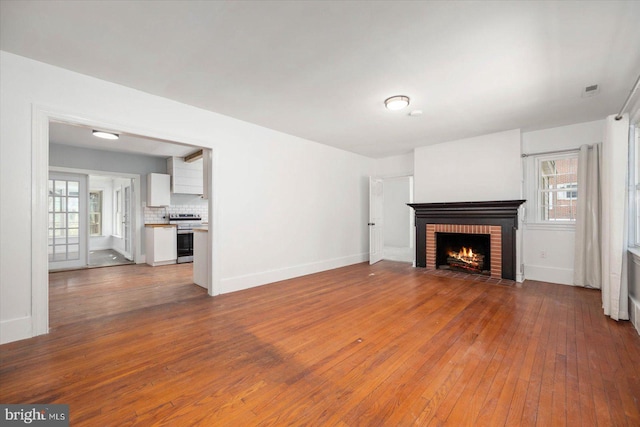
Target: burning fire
point(467, 256)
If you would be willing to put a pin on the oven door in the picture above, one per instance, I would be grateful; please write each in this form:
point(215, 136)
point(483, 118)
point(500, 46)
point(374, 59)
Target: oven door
point(185, 246)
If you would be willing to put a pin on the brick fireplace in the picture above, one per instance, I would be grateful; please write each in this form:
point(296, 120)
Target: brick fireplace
point(497, 219)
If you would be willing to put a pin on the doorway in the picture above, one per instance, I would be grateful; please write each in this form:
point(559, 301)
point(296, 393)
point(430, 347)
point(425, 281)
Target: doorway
point(111, 213)
point(391, 223)
point(42, 119)
point(398, 219)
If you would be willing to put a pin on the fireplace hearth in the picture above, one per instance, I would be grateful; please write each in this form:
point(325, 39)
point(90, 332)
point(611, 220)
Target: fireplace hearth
point(497, 219)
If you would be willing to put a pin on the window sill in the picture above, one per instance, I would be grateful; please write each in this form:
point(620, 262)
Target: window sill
point(550, 227)
point(635, 252)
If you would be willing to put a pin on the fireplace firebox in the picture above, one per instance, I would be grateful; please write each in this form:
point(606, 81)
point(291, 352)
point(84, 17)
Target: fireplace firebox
point(469, 253)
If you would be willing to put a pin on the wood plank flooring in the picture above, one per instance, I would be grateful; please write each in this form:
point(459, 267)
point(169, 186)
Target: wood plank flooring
point(382, 345)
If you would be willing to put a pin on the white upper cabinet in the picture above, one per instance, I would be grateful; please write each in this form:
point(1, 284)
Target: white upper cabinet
point(186, 178)
point(158, 193)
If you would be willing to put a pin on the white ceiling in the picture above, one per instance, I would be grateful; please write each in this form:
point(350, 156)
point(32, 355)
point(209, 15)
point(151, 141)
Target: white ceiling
point(78, 136)
point(321, 69)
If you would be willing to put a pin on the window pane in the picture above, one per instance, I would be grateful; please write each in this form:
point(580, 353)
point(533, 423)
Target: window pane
point(60, 221)
point(59, 204)
point(61, 188)
point(73, 204)
point(73, 219)
point(74, 188)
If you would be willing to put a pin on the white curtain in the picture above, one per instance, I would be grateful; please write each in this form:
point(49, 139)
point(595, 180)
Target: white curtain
point(587, 268)
point(615, 292)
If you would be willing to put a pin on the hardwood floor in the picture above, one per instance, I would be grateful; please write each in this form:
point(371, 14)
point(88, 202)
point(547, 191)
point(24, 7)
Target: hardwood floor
point(358, 346)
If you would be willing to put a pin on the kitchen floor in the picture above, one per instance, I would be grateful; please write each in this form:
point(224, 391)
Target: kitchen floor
point(107, 257)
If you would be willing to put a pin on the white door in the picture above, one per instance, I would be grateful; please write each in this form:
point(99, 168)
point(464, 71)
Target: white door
point(126, 222)
point(68, 214)
point(376, 229)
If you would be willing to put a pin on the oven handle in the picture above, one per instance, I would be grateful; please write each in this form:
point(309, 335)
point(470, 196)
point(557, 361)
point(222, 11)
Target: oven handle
point(185, 231)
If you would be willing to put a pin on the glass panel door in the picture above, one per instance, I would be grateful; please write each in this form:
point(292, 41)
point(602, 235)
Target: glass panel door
point(67, 212)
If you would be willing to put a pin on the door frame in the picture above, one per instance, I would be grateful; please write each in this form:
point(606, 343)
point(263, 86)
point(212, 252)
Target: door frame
point(40, 118)
point(411, 222)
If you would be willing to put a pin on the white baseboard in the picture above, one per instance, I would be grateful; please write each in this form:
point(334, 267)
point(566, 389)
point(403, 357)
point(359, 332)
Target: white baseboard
point(634, 313)
point(563, 276)
point(393, 253)
point(238, 283)
point(15, 329)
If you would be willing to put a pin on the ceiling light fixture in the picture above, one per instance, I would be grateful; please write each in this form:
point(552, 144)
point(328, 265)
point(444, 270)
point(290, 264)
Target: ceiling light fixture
point(105, 135)
point(397, 102)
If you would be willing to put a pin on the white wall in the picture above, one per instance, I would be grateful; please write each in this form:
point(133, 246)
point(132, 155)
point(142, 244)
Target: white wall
point(286, 206)
point(548, 250)
point(394, 166)
point(108, 161)
point(483, 168)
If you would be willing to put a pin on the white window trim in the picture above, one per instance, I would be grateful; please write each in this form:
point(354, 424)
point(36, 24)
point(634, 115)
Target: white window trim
point(117, 203)
point(634, 186)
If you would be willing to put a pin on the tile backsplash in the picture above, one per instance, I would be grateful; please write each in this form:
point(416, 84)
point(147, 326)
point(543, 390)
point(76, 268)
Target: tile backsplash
point(161, 215)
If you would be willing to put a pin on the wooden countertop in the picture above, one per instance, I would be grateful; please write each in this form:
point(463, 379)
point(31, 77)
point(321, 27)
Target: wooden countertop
point(160, 225)
point(201, 230)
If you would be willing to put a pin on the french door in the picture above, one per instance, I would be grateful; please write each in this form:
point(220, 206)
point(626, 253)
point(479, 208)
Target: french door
point(67, 233)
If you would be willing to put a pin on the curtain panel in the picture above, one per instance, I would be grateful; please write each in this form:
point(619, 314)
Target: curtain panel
point(587, 269)
point(615, 292)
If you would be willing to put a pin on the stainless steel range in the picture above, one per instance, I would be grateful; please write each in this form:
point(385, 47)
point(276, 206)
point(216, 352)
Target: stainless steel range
point(184, 227)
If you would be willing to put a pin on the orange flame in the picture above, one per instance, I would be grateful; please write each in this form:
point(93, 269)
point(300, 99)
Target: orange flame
point(464, 254)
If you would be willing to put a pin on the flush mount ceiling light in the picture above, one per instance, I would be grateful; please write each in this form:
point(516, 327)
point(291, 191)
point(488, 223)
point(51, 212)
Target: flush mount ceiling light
point(105, 135)
point(397, 102)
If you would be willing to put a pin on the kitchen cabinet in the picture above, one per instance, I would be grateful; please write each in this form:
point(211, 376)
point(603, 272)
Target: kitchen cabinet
point(186, 178)
point(158, 189)
point(161, 244)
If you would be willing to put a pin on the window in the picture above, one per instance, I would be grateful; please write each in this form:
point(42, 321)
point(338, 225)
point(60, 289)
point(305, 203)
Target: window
point(557, 188)
point(95, 213)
